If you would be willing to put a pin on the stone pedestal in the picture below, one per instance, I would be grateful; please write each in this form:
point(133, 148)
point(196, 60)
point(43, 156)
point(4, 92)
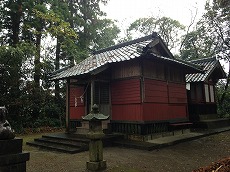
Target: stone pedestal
point(12, 159)
point(95, 152)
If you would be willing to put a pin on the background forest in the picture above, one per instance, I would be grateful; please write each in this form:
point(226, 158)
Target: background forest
point(38, 37)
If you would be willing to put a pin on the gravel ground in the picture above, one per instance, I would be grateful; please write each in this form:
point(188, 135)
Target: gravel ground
point(181, 157)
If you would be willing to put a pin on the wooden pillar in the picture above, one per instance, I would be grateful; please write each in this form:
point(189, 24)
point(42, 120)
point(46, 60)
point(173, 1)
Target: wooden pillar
point(92, 93)
point(68, 106)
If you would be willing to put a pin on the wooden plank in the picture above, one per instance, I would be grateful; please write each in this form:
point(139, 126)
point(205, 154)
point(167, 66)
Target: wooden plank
point(126, 91)
point(75, 93)
point(130, 112)
point(153, 93)
point(156, 111)
point(156, 99)
point(177, 93)
point(126, 69)
point(77, 112)
point(156, 91)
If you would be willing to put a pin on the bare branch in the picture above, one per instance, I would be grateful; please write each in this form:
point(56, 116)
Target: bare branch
point(193, 18)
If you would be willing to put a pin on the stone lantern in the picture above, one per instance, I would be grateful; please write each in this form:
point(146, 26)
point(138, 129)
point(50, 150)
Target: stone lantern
point(95, 135)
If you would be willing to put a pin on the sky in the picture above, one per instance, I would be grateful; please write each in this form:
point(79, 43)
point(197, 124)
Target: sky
point(127, 11)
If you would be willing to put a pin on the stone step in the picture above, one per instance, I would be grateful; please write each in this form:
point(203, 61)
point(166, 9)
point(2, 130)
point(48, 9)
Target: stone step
point(61, 142)
point(208, 116)
point(70, 143)
point(73, 137)
point(213, 123)
point(57, 147)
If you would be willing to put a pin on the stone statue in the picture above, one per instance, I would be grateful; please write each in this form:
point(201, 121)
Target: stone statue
point(5, 129)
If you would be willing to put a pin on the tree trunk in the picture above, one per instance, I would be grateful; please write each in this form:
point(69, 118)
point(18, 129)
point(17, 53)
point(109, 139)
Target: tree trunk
point(37, 63)
point(16, 20)
point(57, 67)
point(71, 9)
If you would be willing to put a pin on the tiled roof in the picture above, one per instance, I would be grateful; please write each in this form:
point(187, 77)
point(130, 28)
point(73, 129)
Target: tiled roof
point(121, 52)
point(207, 64)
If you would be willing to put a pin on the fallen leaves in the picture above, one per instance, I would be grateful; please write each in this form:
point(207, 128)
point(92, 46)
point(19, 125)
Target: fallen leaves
point(222, 165)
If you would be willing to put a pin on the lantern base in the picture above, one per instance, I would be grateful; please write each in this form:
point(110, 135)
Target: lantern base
point(95, 166)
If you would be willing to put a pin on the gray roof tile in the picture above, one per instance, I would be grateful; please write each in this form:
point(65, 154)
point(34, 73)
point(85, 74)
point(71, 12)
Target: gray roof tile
point(121, 52)
point(208, 65)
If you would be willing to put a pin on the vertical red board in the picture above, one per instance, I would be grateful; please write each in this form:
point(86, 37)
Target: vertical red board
point(77, 105)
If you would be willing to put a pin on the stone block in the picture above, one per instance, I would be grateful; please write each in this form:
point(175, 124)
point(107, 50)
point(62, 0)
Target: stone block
point(14, 162)
point(95, 150)
point(14, 158)
point(186, 131)
point(95, 166)
point(14, 168)
point(11, 157)
point(12, 146)
point(177, 132)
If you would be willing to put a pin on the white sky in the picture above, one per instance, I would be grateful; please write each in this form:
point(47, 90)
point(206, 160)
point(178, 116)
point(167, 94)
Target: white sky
point(126, 11)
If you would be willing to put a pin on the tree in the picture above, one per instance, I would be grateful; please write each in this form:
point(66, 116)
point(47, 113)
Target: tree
point(167, 28)
point(106, 34)
point(211, 38)
point(73, 27)
point(197, 44)
point(13, 75)
point(211, 34)
point(218, 19)
point(10, 21)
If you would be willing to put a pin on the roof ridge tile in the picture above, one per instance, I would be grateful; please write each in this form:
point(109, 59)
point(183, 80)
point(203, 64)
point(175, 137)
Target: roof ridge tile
point(153, 35)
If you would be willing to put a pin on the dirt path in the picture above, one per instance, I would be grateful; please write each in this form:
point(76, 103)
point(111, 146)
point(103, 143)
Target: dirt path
point(181, 157)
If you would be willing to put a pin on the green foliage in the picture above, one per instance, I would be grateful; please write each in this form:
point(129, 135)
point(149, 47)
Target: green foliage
point(167, 28)
point(107, 33)
point(224, 106)
point(56, 26)
point(37, 108)
point(197, 45)
point(12, 71)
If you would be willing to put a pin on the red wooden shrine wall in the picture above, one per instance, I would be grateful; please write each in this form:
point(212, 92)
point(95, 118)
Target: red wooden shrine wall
point(164, 100)
point(77, 107)
point(126, 99)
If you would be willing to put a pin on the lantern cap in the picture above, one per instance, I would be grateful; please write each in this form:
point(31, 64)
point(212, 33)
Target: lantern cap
point(95, 115)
